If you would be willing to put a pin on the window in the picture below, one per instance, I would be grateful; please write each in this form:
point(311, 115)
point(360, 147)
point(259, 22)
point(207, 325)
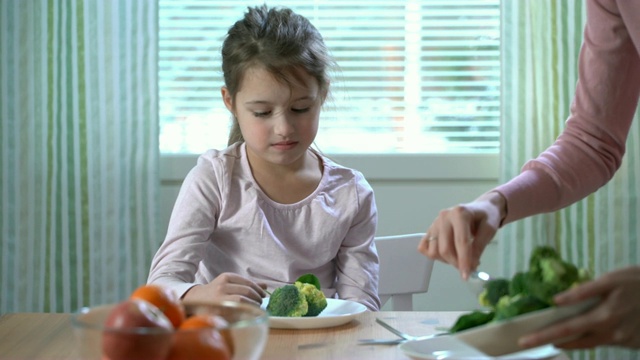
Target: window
point(415, 76)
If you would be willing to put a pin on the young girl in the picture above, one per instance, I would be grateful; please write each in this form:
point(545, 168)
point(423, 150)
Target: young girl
point(269, 208)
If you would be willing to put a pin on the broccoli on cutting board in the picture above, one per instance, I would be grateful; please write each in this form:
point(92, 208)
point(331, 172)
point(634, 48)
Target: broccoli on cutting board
point(526, 291)
point(302, 298)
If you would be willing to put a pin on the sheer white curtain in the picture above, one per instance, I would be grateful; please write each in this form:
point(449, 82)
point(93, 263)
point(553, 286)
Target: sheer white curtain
point(541, 41)
point(79, 151)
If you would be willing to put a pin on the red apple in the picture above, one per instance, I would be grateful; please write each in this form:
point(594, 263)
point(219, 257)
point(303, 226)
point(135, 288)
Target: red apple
point(136, 329)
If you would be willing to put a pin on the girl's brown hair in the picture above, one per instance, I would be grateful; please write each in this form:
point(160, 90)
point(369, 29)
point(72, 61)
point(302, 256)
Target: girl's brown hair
point(278, 40)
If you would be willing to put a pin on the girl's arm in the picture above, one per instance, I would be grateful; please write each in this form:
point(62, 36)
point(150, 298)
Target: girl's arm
point(357, 260)
point(193, 219)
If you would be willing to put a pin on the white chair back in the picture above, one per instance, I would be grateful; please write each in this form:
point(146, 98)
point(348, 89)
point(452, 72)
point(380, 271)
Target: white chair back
point(403, 270)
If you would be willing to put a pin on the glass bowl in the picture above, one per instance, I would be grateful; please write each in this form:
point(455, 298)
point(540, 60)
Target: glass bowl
point(248, 327)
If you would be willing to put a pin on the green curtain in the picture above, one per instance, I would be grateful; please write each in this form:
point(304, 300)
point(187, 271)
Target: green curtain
point(79, 151)
point(541, 42)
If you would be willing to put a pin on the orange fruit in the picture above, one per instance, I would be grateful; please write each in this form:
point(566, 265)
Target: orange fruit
point(203, 343)
point(203, 321)
point(122, 339)
point(164, 299)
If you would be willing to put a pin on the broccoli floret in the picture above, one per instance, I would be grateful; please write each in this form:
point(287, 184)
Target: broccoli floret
point(509, 306)
point(309, 279)
point(532, 290)
point(526, 284)
point(558, 271)
point(494, 289)
point(519, 284)
point(315, 298)
point(538, 254)
point(287, 300)
point(302, 298)
point(550, 275)
point(472, 319)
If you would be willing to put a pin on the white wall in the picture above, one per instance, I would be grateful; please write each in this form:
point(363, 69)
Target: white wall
point(410, 191)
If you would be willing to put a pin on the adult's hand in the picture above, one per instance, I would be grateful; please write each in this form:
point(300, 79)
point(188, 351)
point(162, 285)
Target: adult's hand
point(459, 234)
point(615, 321)
point(228, 286)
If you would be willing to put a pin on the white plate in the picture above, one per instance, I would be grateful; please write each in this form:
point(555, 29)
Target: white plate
point(501, 337)
point(449, 347)
point(337, 312)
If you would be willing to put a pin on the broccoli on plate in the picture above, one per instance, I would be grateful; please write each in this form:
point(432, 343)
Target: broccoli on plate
point(526, 291)
point(494, 289)
point(472, 319)
point(316, 300)
point(550, 275)
point(287, 300)
point(509, 306)
point(302, 298)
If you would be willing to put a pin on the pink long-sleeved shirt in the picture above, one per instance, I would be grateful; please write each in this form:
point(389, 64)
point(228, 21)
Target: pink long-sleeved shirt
point(223, 222)
point(590, 149)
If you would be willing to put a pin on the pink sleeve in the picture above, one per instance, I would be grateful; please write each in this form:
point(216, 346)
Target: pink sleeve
point(590, 149)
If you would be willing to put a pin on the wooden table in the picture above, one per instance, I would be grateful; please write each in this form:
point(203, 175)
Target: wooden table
point(50, 336)
point(342, 342)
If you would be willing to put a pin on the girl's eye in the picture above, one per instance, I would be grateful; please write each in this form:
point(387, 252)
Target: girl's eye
point(299, 111)
point(261, 114)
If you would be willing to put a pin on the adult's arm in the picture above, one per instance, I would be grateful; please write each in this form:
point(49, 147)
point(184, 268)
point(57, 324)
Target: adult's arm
point(590, 149)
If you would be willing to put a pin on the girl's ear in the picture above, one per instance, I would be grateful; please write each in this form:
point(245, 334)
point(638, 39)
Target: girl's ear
point(226, 97)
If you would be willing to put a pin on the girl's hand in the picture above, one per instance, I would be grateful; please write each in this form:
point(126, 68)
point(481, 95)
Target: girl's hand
point(459, 234)
point(228, 286)
point(614, 321)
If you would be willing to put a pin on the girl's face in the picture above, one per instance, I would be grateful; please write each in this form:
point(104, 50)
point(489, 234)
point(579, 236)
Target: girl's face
point(278, 121)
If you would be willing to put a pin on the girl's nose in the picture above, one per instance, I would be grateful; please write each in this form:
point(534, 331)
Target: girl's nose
point(283, 125)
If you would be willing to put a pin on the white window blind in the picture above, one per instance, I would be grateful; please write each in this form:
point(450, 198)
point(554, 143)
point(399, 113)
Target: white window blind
point(414, 76)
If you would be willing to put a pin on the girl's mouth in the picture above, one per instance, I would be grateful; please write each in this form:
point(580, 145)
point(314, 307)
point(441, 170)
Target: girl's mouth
point(285, 145)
